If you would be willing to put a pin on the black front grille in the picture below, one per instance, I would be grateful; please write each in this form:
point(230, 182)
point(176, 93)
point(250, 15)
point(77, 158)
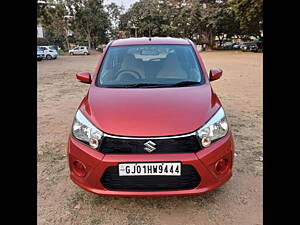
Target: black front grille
point(189, 179)
point(186, 144)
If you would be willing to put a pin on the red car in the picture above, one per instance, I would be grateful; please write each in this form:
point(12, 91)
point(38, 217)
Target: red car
point(150, 124)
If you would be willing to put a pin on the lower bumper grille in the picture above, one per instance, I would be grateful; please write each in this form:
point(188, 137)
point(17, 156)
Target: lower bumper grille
point(189, 179)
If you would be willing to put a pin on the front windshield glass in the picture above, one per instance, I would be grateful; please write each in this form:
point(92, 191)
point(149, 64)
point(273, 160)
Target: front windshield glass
point(52, 48)
point(150, 66)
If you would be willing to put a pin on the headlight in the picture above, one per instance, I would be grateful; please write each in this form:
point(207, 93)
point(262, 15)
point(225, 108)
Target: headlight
point(85, 131)
point(214, 129)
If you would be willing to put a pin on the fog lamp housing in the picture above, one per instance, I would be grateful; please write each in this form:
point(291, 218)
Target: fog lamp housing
point(79, 168)
point(221, 166)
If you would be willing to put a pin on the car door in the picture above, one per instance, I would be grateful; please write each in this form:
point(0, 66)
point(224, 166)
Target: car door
point(81, 50)
point(45, 50)
point(76, 50)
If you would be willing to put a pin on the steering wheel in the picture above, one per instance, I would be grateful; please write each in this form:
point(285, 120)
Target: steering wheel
point(131, 72)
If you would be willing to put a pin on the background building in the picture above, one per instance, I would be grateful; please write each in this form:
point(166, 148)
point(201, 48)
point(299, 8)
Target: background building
point(40, 32)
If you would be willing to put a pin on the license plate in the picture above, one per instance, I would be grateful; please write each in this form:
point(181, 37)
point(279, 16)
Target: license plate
point(144, 169)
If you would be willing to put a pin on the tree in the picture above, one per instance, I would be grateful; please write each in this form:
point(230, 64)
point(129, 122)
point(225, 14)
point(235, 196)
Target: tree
point(211, 19)
point(226, 25)
point(42, 41)
point(90, 21)
point(53, 17)
point(114, 13)
point(200, 20)
point(148, 17)
point(249, 15)
point(205, 18)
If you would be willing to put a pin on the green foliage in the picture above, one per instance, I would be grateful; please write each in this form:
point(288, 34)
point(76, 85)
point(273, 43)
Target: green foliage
point(147, 15)
point(114, 13)
point(56, 40)
point(52, 16)
point(42, 41)
point(227, 25)
point(80, 21)
point(200, 20)
point(249, 15)
point(89, 22)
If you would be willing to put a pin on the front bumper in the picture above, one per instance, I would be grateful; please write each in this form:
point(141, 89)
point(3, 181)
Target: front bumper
point(203, 161)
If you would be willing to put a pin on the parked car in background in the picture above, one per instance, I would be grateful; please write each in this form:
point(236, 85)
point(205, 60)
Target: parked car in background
point(236, 45)
point(260, 46)
point(252, 47)
point(40, 54)
point(248, 47)
point(80, 50)
point(227, 45)
point(50, 52)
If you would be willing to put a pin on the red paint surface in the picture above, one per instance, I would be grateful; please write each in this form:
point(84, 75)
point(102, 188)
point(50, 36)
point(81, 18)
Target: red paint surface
point(215, 74)
point(150, 112)
point(203, 161)
point(84, 77)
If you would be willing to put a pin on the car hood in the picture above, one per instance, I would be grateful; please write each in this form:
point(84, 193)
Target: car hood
point(149, 112)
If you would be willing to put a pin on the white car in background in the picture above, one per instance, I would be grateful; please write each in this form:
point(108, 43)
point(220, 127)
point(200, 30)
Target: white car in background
point(49, 52)
point(40, 54)
point(80, 50)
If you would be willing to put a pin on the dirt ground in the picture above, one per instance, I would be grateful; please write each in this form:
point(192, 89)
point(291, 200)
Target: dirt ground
point(238, 202)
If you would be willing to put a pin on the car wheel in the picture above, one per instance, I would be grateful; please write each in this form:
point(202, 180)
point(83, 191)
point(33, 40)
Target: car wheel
point(85, 53)
point(71, 53)
point(49, 57)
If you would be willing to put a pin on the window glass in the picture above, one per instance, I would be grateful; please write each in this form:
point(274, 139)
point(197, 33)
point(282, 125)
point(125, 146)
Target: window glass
point(152, 64)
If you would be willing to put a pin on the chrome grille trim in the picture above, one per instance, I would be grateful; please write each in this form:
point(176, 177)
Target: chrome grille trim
point(148, 138)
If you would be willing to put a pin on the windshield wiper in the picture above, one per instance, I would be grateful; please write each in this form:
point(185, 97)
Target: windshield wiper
point(179, 84)
point(184, 83)
point(154, 85)
point(135, 85)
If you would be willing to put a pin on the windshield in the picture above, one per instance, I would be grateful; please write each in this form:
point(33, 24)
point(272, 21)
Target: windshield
point(150, 66)
point(52, 48)
point(39, 49)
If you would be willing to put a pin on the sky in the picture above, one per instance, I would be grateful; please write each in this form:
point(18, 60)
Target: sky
point(126, 3)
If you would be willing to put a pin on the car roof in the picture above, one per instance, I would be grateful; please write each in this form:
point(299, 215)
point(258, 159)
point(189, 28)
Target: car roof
point(148, 41)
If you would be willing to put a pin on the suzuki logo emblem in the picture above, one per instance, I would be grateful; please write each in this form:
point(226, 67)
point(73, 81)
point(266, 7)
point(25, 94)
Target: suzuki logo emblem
point(149, 146)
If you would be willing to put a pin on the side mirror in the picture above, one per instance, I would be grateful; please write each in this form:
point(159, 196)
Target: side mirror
point(215, 74)
point(84, 77)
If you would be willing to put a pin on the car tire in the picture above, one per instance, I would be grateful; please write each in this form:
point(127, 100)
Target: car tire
point(48, 57)
point(71, 53)
point(85, 53)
